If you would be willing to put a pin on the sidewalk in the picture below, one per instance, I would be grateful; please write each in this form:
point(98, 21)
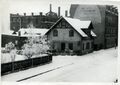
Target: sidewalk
point(57, 62)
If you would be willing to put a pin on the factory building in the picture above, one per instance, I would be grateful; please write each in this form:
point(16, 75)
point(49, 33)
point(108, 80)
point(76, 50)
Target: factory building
point(18, 21)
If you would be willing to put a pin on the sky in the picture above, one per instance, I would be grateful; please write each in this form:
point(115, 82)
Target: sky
point(36, 6)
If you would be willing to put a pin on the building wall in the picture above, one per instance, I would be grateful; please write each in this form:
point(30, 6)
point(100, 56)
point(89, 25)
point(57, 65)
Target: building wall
point(39, 21)
point(97, 14)
point(63, 36)
point(111, 27)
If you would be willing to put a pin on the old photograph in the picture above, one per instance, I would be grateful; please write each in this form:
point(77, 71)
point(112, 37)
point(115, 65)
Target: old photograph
point(59, 41)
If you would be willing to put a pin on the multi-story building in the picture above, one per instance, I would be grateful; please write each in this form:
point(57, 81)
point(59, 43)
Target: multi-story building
point(71, 34)
point(18, 21)
point(104, 19)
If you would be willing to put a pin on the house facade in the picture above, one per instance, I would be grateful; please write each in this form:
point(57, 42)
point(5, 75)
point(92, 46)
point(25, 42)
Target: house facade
point(73, 35)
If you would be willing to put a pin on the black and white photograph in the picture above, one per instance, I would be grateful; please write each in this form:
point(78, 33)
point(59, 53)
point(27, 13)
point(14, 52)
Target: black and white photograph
point(59, 41)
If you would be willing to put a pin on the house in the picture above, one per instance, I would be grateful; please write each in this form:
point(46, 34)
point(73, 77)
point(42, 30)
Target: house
point(71, 35)
point(104, 19)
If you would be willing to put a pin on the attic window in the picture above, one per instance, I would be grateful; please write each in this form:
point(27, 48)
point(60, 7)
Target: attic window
point(71, 33)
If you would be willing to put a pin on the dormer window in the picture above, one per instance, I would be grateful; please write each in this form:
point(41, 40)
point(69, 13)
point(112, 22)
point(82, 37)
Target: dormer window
point(71, 33)
point(55, 33)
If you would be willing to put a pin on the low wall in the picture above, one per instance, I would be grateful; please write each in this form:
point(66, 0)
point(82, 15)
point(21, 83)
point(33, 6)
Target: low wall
point(24, 64)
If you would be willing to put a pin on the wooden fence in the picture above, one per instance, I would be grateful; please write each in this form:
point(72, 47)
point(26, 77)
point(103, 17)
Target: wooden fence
point(24, 64)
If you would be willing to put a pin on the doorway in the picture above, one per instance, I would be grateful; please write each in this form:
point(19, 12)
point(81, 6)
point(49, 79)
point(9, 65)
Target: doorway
point(62, 46)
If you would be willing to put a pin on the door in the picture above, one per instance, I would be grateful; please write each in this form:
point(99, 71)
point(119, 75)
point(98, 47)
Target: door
point(63, 46)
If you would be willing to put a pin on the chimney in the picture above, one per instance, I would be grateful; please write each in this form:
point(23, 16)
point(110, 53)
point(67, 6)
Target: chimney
point(41, 14)
point(66, 13)
point(50, 7)
point(24, 14)
point(58, 11)
point(32, 13)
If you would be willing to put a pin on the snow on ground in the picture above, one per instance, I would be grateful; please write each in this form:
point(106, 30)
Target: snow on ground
point(99, 66)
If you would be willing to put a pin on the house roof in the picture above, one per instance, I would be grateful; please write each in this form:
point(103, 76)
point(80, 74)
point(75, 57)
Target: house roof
point(10, 32)
point(77, 24)
point(93, 34)
point(33, 31)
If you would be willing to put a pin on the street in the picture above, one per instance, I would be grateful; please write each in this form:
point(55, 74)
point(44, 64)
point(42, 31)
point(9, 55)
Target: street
point(99, 66)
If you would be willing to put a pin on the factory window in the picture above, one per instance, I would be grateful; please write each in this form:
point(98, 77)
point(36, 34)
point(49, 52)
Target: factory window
point(71, 33)
point(37, 21)
point(18, 20)
point(55, 33)
point(14, 20)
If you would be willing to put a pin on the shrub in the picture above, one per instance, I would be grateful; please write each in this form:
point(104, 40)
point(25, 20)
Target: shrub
point(9, 53)
point(10, 46)
point(35, 46)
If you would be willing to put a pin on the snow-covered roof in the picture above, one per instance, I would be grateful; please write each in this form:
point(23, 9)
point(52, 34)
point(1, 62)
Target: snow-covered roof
point(93, 34)
point(10, 32)
point(78, 24)
point(33, 31)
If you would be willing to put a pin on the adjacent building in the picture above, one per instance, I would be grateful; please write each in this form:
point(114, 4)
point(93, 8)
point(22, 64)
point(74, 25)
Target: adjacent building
point(104, 19)
point(18, 21)
point(69, 34)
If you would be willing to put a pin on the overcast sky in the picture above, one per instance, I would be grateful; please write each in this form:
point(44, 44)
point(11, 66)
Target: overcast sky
point(36, 6)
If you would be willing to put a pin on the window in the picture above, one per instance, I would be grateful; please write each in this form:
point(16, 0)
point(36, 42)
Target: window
point(55, 33)
point(87, 45)
point(14, 19)
point(37, 21)
point(71, 46)
point(71, 33)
